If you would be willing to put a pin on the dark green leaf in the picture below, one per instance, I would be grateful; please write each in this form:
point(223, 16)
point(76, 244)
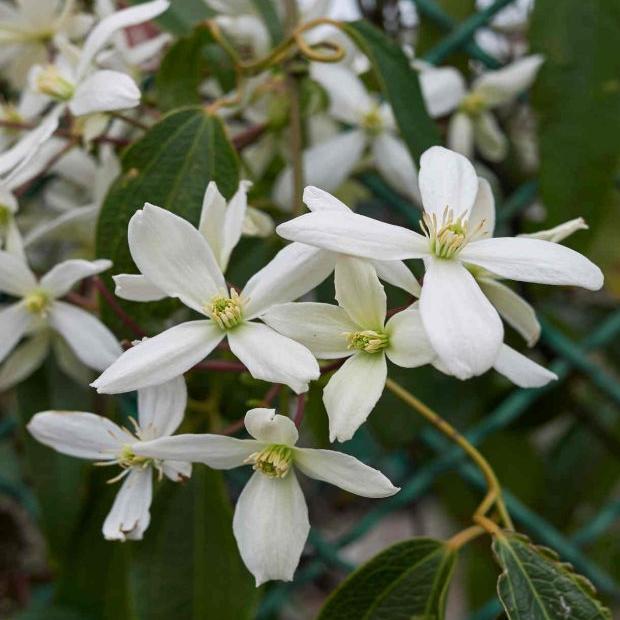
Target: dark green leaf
point(271, 18)
point(182, 70)
point(188, 565)
point(577, 98)
point(182, 15)
point(407, 581)
point(400, 85)
point(535, 585)
point(169, 167)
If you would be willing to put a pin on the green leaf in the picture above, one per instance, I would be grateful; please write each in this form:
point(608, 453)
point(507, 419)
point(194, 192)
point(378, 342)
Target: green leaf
point(405, 582)
point(59, 481)
point(182, 15)
point(400, 85)
point(170, 167)
point(535, 585)
point(182, 71)
point(188, 565)
point(270, 16)
point(577, 99)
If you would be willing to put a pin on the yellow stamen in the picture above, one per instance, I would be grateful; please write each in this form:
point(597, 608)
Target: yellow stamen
point(368, 340)
point(274, 461)
point(225, 311)
point(37, 302)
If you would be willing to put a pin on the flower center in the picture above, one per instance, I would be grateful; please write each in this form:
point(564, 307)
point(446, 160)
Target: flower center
point(225, 311)
point(473, 104)
point(372, 121)
point(448, 236)
point(367, 340)
point(274, 461)
point(37, 302)
point(127, 458)
point(50, 82)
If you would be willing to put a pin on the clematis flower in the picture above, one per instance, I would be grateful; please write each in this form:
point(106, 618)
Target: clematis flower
point(271, 517)
point(462, 325)
point(222, 224)
point(473, 124)
point(89, 436)
point(39, 314)
point(27, 27)
point(329, 163)
point(355, 329)
point(177, 259)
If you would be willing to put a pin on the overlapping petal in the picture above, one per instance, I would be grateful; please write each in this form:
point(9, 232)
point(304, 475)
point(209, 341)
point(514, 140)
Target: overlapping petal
point(269, 427)
point(161, 408)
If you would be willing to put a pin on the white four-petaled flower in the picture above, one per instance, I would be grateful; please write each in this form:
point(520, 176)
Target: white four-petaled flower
point(89, 436)
point(271, 517)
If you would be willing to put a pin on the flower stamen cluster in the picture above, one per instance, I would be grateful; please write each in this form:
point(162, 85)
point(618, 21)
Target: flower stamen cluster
point(226, 311)
point(448, 236)
point(274, 461)
point(37, 302)
point(50, 82)
point(372, 121)
point(473, 104)
point(368, 340)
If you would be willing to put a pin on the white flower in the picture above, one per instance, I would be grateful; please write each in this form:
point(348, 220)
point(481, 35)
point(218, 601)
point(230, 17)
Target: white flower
point(357, 330)
point(28, 26)
point(271, 517)
point(177, 259)
point(40, 310)
point(328, 164)
point(474, 123)
point(89, 436)
point(221, 224)
point(462, 325)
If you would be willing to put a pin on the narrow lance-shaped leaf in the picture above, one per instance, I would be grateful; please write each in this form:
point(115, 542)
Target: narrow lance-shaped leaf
point(536, 585)
point(400, 85)
point(407, 581)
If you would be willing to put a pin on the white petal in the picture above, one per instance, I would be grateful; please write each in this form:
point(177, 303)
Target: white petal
point(321, 328)
point(24, 360)
point(344, 471)
point(61, 278)
point(161, 408)
point(483, 212)
point(91, 341)
point(348, 98)
point(81, 434)
point(233, 223)
point(447, 179)
point(443, 88)
point(130, 514)
point(352, 393)
point(499, 87)
point(521, 370)
point(317, 199)
point(461, 134)
point(216, 451)
point(105, 91)
point(512, 308)
point(212, 221)
point(160, 358)
point(15, 275)
point(18, 156)
point(174, 256)
point(267, 426)
point(177, 471)
point(293, 271)
point(257, 223)
point(397, 273)
point(326, 164)
point(136, 288)
point(272, 357)
point(359, 292)
point(357, 235)
point(271, 526)
point(489, 137)
point(409, 345)
point(462, 325)
point(68, 362)
point(104, 30)
point(14, 322)
point(533, 260)
point(393, 160)
point(560, 232)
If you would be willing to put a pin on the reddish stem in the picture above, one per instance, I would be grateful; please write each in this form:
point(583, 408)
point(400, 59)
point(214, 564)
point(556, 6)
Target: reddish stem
point(300, 410)
point(116, 308)
point(249, 136)
point(220, 365)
